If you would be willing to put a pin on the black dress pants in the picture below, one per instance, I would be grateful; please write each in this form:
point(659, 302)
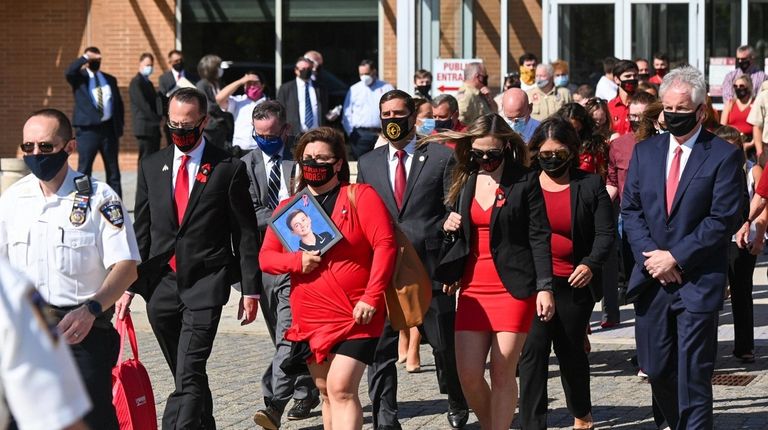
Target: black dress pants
point(741, 265)
point(566, 331)
point(186, 338)
point(148, 144)
point(99, 139)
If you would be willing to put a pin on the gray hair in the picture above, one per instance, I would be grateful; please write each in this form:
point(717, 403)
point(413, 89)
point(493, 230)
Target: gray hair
point(548, 67)
point(745, 48)
point(208, 67)
point(471, 70)
point(453, 105)
point(686, 76)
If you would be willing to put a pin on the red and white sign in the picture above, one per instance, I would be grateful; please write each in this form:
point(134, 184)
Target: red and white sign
point(448, 74)
point(718, 68)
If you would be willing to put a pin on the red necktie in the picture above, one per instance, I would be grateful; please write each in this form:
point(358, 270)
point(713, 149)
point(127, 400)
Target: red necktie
point(400, 178)
point(181, 197)
point(673, 179)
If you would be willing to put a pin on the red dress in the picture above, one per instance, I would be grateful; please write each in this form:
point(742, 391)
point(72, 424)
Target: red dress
point(357, 268)
point(484, 303)
point(738, 118)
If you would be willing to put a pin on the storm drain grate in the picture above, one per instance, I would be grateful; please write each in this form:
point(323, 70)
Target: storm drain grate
point(732, 380)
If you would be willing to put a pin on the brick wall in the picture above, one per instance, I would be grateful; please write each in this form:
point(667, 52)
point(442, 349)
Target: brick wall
point(524, 29)
point(487, 32)
point(389, 21)
point(40, 39)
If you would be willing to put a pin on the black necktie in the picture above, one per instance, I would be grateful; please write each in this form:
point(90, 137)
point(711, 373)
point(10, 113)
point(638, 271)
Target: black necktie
point(273, 182)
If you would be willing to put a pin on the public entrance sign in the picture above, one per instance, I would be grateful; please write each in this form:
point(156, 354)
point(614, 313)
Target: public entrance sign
point(448, 74)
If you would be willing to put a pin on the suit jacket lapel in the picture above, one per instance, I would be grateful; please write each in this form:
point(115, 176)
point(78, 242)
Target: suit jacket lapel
point(260, 173)
point(287, 165)
point(507, 180)
point(575, 186)
point(166, 177)
point(417, 164)
point(698, 155)
point(198, 186)
point(661, 174)
point(464, 205)
point(386, 194)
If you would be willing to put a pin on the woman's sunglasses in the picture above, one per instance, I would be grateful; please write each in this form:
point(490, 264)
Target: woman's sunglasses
point(491, 153)
point(560, 154)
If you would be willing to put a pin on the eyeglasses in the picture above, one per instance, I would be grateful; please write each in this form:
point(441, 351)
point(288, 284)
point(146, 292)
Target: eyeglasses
point(44, 147)
point(560, 154)
point(490, 154)
point(596, 101)
point(182, 126)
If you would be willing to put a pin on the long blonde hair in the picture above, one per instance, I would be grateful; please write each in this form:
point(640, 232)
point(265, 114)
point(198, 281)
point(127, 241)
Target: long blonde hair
point(515, 150)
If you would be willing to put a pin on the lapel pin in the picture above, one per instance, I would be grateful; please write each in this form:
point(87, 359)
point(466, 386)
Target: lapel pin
point(165, 168)
point(421, 158)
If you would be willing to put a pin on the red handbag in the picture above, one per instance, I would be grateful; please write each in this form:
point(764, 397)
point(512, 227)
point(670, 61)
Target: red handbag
point(131, 388)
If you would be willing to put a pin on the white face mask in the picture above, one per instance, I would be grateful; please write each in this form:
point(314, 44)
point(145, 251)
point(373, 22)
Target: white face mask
point(366, 79)
point(146, 70)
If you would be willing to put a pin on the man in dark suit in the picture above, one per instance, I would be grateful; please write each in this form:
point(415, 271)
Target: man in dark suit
point(197, 236)
point(168, 81)
point(98, 115)
point(270, 169)
point(682, 202)
point(145, 108)
point(305, 100)
point(412, 181)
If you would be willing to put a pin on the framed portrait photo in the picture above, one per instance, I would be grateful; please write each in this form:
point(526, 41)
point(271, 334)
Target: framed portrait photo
point(303, 225)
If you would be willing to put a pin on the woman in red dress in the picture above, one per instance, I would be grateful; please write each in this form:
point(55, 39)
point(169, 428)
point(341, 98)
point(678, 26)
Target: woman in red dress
point(500, 215)
point(337, 300)
point(580, 215)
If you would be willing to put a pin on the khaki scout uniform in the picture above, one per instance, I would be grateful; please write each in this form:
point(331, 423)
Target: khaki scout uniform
point(545, 104)
point(472, 104)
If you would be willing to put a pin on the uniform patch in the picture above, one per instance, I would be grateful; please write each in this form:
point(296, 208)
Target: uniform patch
point(113, 212)
point(44, 315)
point(79, 208)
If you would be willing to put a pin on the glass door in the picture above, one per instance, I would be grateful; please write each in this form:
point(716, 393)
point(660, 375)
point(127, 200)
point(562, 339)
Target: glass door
point(586, 37)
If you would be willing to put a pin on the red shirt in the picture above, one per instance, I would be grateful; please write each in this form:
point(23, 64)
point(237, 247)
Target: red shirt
point(619, 115)
point(762, 187)
point(358, 268)
point(619, 157)
point(590, 162)
point(655, 79)
point(559, 214)
point(738, 118)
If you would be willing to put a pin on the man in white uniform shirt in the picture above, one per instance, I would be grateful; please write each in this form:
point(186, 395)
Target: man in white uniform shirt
point(72, 237)
point(361, 118)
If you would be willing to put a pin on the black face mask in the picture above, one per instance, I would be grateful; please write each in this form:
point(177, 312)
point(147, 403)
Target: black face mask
point(305, 74)
point(741, 92)
point(680, 124)
point(396, 129)
point(94, 65)
point(489, 162)
point(634, 126)
point(743, 65)
point(423, 89)
point(178, 66)
point(46, 166)
point(554, 167)
point(443, 124)
point(186, 138)
point(316, 174)
point(629, 85)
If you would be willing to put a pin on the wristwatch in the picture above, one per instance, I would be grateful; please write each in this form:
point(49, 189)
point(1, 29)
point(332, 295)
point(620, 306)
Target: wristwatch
point(93, 307)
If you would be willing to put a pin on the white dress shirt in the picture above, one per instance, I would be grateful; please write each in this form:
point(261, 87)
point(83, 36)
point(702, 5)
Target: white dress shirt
point(606, 89)
point(97, 80)
point(393, 160)
point(361, 106)
point(193, 164)
point(300, 84)
point(241, 107)
point(687, 147)
point(283, 193)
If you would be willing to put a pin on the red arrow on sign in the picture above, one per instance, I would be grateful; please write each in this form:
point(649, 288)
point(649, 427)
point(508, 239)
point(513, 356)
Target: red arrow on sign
point(443, 88)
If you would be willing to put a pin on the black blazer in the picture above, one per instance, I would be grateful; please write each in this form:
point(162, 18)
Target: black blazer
point(145, 107)
point(221, 124)
point(423, 213)
point(520, 233)
point(85, 113)
point(257, 176)
point(166, 83)
point(592, 226)
point(288, 97)
point(218, 241)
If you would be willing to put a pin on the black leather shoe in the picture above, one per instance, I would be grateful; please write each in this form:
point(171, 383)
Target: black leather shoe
point(301, 409)
point(269, 418)
point(457, 418)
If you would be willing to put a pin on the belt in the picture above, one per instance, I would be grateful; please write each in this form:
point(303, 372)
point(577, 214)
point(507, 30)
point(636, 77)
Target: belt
point(102, 321)
point(376, 129)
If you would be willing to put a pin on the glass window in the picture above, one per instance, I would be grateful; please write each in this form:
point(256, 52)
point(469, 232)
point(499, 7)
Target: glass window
point(586, 38)
point(723, 29)
point(660, 27)
point(758, 29)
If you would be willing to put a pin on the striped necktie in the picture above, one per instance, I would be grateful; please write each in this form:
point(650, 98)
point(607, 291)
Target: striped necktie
point(99, 96)
point(309, 117)
point(273, 182)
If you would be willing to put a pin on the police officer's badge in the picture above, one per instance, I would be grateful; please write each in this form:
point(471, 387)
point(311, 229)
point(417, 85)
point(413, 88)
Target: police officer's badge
point(393, 130)
point(79, 207)
point(113, 212)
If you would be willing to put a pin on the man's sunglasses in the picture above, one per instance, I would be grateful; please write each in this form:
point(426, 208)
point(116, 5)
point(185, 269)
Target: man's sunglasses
point(560, 154)
point(44, 147)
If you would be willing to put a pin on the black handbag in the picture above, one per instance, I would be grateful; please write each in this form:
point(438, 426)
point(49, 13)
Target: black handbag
point(453, 253)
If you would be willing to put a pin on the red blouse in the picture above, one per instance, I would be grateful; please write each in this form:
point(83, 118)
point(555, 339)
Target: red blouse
point(358, 268)
point(738, 118)
point(559, 214)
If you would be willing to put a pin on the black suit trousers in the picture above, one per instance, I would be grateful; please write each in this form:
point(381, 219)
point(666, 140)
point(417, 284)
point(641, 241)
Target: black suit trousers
point(148, 144)
point(741, 265)
point(186, 339)
point(566, 331)
point(438, 330)
point(99, 139)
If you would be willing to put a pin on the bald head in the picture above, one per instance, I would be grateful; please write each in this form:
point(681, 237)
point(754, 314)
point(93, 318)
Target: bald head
point(515, 104)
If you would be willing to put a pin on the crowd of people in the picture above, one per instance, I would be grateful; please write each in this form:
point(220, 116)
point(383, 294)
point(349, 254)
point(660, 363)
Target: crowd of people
point(526, 208)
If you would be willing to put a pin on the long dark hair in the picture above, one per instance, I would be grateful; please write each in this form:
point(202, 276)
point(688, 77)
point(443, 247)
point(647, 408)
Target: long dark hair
point(334, 139)
point(591, 142)
point(487, 125)
point(559, 129)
